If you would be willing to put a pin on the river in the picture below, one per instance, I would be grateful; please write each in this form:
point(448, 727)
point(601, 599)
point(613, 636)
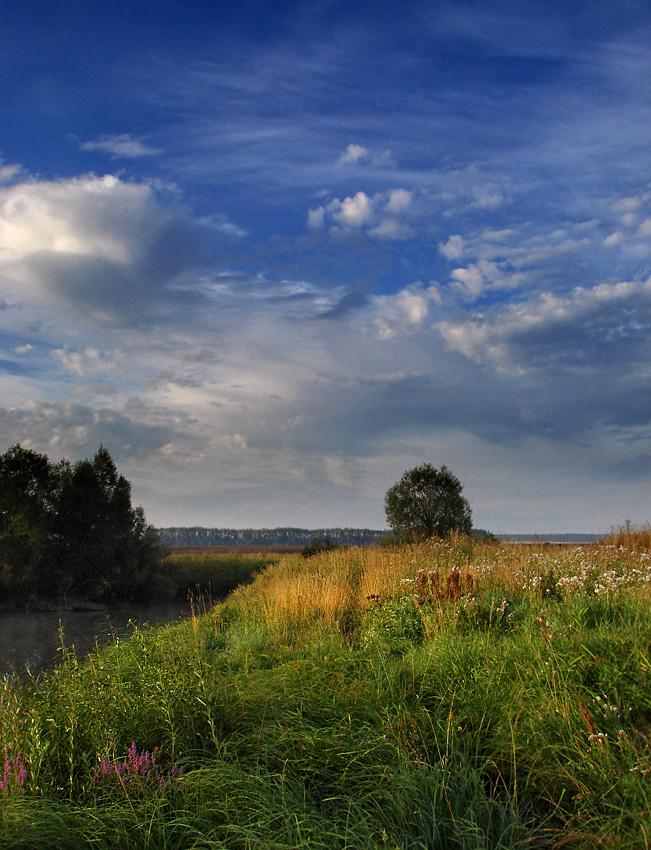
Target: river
point(33, 640)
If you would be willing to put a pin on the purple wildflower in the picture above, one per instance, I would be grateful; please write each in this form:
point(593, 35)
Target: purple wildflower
point(14, 774)
point(138, 767)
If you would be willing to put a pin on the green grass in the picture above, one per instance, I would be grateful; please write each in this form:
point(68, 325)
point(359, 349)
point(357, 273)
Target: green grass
point(209, 572)
point(332, 704)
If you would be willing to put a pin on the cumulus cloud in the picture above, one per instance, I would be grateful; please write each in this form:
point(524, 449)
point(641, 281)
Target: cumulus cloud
point(120, 146)
point(67, 429)
point(355, 211)
point(399, 201)
point(475, 279)
point(453, 248)
point(405, 311)
point(8, 172)
point(86, 362)
point(107, 247)
point(381, 215)
point(353, 154)
point(584, 328)
point(356, 154)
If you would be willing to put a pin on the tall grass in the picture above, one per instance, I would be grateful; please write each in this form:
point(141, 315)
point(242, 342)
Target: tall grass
point(209, 572)
point(450, 694)
point(636, 539)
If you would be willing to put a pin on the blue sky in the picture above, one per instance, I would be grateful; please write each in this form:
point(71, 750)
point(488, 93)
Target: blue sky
point(272, 255)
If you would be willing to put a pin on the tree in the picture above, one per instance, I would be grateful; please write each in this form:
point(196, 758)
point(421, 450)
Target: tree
point(427, 502)
point(68, 529)
point(104, 548)
point(26, 504)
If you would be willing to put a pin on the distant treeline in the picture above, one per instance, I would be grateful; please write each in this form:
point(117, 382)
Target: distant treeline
point(198, 536)
point(298, 537)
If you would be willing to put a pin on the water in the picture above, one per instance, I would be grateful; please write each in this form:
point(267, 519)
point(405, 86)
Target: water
point(33, 641)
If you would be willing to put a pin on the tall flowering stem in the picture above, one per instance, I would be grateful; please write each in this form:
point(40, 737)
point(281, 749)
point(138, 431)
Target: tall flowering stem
point(137, 768)
point(14, 774)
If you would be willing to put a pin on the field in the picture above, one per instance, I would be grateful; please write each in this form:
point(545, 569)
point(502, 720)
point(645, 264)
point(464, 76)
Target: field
point(450, 694)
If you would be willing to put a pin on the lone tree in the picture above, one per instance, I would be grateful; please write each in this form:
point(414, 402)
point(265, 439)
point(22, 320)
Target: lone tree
point(427, 502)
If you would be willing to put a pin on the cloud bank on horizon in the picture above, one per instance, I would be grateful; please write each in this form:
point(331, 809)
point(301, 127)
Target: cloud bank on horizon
point(271, 258)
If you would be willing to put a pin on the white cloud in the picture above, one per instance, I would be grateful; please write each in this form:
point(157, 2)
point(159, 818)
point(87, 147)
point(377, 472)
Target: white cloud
point(315, 219)
point(632, 203)
point(8, 172)
point(391, 228)
point(399, 201)
point(453, 248)
point(86, 362)
point(353, 154)
point(614, 239)
point(355, 211)
point(103, 245)
point(470, 280)
point(382, 215)
point(405, 311)
point(553, 324)
point(487, 198)
point(120, 146)
point(86, 216)
point(384, 160)
point(473, 280)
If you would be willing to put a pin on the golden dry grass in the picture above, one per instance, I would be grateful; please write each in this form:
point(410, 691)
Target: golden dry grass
point(319, 591)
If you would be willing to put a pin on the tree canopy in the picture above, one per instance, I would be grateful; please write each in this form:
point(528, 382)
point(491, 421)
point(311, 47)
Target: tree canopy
point(427, 502)
point(71, 529)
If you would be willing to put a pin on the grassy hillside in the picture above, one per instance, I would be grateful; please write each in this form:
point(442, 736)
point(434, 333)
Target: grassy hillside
point(453, 694)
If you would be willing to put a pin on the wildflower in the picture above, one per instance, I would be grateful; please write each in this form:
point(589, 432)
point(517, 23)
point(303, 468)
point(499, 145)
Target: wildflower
point(14, 773)
point(137, 767)
point(598, 737)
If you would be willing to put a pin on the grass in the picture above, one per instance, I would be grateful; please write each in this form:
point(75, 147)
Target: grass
point(452, 694)
point(209, 571)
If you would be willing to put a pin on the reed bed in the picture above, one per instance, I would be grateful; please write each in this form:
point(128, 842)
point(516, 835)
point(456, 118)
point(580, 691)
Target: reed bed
point(448, 694)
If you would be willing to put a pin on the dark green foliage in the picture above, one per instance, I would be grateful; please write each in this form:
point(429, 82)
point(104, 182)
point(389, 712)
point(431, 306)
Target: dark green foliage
point(71, 530)
point(427, 502)
point(483, 534)
point(27, 494)
point(317, 545)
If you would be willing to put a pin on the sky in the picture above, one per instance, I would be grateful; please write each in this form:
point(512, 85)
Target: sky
point(272, 255)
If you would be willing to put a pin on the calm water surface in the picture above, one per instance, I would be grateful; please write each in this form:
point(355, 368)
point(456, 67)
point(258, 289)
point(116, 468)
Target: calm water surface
point(33, 640)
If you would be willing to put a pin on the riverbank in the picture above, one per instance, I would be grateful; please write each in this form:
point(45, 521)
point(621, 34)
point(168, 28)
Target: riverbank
point(34, 630)
point(450, 694)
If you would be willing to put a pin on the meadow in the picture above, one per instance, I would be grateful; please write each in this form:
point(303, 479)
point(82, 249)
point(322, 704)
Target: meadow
point(448, 694)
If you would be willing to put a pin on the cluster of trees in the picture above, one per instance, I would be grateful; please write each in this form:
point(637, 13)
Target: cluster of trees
point(71, 530)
